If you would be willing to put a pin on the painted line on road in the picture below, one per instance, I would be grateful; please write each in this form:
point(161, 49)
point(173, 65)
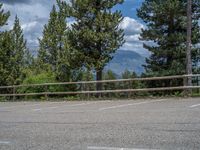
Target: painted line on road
point(114, 148)
point(193, 106)
point(131, 104)
point(4, 142)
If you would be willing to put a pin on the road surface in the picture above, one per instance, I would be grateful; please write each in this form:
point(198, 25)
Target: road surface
point(159, 124)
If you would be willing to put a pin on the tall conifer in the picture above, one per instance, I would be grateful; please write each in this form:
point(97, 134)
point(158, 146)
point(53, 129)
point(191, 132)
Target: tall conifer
point(167, 28)
point(12, 52)
point(55, 48)
point(96, 33)
point(19, 50)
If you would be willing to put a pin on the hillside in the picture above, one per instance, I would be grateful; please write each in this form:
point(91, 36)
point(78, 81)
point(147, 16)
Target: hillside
point(129, 60)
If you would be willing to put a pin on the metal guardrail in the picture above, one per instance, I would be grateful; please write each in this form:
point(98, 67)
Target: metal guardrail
point(85, 83)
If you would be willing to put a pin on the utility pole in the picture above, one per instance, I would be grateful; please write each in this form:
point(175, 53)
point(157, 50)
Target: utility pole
point(189, 45)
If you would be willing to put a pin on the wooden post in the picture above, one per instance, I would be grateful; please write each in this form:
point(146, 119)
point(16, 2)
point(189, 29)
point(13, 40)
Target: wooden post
point(189, 46)
point(14, 92)
point(82, 89)
point(46, 90)
point(130, 87)
point(198, 84)
point(87, 89)
point(185, 84)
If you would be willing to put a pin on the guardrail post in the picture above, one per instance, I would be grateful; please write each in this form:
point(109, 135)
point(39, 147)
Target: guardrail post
point(185, 84)
point(82, 90)
point(46, 90)
point(14, 92)
point(187, 92)
point(198, 84)
point(130, 87)
point(87, 89)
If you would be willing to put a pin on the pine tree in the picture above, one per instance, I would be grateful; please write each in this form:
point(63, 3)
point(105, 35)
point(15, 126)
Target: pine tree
point(3, 16)
point(5, 56)
point(4, 47)
point(55, 48)
point(50, 44)
point(96, 33)
point(12, 52)
point(167, 28)
point(19, 50)
point(130, 75)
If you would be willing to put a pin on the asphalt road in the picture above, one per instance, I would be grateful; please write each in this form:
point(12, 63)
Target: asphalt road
point(165, 124)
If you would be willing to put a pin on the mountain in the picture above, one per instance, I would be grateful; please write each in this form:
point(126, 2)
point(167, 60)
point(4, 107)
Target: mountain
point(126, 60)
point(122, 60)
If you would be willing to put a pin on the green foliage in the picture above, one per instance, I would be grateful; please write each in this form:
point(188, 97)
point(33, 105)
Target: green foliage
point(166, 27)
point(87, 75)
point(44, 77)
point(131, 84)
point(3, 16)
point(96, 33)
point(55, 48)
point(109, 75)
point(19, 50)
point(12, 53)
point(51, 44)
point(166, 22)
point(5, 57)
point(41, 78)
point(128, 75)
point(5, 40)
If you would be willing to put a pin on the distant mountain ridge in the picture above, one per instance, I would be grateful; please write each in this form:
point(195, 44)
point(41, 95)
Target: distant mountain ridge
point(126, 60)
point(122, 60)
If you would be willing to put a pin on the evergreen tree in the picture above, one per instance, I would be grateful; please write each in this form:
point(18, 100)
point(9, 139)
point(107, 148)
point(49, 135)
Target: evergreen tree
point(131, 84)
point(128, 75)
point(55, 48)
point(167, 28)
point(5, 57)
point(18, 54)
point(12, 52)
point(5, 47)
point(96, 33)
point(109, 75)
point(3, 16)
point(51, 43)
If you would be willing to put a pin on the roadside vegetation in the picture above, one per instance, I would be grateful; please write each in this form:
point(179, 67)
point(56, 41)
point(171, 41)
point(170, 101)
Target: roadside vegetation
point(80, 52)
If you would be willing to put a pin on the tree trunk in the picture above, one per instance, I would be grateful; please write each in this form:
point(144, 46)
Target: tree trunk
point(99, 78)
point(189, 44)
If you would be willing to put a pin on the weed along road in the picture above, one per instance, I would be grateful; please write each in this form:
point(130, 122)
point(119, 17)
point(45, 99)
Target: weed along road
point(160, 124)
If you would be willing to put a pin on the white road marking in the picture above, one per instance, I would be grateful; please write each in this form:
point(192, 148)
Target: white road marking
point(131, 104)
point(193, 106)
point(113, 148)
point(4, 142)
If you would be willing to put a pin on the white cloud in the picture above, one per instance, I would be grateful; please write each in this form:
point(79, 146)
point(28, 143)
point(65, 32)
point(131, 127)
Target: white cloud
point(29, 26)
point(132, 29)
point(35, 14)
point(131, 26)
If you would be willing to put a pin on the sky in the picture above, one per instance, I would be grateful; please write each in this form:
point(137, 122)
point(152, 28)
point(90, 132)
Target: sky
point(33, 14)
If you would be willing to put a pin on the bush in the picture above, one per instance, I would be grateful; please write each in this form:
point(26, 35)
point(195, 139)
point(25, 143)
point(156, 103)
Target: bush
point(45, 77)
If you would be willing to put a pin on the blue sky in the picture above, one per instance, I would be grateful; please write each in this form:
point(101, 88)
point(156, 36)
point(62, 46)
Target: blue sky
point(129, 8)
point(33, 14)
